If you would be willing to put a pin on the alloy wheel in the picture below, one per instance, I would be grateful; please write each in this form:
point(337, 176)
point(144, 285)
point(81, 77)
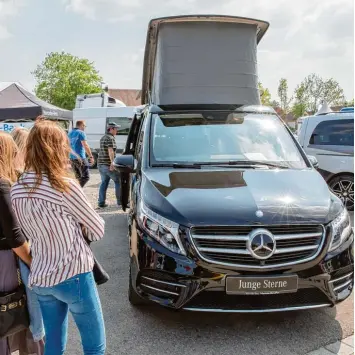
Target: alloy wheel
point(344, 189)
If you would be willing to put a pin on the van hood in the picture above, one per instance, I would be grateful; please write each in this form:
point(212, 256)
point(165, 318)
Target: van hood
point(235, 197)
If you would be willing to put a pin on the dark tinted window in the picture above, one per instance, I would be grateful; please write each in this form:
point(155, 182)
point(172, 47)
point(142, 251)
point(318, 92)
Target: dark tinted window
point(124, 122)
point(139, 143)
point(335, 132)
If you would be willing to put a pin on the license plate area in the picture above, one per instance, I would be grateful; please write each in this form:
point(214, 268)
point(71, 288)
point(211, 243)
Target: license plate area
point(261, 285)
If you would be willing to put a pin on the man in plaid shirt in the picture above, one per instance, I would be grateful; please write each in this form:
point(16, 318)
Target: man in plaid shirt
point(105, 160)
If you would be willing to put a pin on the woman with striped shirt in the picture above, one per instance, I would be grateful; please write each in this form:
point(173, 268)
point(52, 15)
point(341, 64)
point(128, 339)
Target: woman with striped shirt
point(12, 240)
point(52, 210)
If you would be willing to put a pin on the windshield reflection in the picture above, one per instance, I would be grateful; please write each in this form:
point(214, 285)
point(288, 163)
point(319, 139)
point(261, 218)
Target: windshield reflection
point(222, 136)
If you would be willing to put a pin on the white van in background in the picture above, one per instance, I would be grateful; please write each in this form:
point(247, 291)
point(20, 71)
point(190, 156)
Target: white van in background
point(97, 118)
point(330, 138)
point(97, 100)
point(299, 124)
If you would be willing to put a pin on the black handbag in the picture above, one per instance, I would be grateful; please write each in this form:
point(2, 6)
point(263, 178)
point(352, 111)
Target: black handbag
point(100, 275)
point(14, 315)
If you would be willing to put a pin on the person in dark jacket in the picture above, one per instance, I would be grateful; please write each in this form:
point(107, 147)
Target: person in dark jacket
point(12, 241)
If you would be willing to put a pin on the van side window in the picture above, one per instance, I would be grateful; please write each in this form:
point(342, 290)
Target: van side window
point(133, 136)
point(335, 132)
point(139, 144)
point(124, 122)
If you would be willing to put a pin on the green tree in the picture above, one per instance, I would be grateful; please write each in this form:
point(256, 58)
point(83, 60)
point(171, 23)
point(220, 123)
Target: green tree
point(274, 103)
point(314, 87)
point(317, 89)
point(62, 76)
point(265, 95)
point(301, 101)
point(285, 100)
point(349, 103)
point(332, 93)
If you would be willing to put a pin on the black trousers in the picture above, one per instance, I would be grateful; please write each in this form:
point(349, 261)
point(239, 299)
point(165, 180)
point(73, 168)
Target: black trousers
point(81, 171)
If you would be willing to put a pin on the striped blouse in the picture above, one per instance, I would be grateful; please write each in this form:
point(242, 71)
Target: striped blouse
point(52, 220)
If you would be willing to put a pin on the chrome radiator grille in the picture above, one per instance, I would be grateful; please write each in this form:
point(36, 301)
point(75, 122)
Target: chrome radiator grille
point(295, 244)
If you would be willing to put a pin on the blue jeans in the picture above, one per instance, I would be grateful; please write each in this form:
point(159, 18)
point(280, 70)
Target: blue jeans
point(106, 175)
point(36, 321)
point(79, 296)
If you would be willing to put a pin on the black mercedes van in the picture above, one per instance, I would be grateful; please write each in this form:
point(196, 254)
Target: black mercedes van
point(226, 212)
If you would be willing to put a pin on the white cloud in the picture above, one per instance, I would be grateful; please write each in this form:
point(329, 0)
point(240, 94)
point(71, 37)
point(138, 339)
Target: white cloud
point(82, 7)
point(8, 10)
point(4, 33)
point(99, 9)
point(305, 36)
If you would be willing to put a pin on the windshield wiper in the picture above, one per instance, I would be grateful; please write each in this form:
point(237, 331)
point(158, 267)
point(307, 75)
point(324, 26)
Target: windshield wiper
point(177, 166)
point(247, 163)
point(232, 163)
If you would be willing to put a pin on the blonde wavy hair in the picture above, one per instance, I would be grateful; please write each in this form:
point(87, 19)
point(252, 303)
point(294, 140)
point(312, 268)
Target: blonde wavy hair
point(47, 154)
point(20, 135)
point(8, 155)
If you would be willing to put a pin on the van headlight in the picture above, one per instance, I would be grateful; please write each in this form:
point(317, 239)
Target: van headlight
point(341, 229)
point(163, 230)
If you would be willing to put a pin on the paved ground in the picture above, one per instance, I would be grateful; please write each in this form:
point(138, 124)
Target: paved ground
point(159, 331)
point(344, 347)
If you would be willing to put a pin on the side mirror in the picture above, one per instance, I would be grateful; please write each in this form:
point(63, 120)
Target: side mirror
point(124, 164)
point(313, 160)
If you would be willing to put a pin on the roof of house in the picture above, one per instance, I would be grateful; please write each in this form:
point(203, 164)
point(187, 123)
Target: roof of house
point(131, 97)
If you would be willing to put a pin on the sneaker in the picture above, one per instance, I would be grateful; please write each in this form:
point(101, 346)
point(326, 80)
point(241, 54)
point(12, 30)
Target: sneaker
point(103, 205)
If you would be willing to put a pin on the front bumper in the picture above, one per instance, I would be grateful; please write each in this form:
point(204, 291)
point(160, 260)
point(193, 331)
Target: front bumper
point(188, 283)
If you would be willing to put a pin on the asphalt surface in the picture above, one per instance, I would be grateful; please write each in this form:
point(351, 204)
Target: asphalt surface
point(153, 330)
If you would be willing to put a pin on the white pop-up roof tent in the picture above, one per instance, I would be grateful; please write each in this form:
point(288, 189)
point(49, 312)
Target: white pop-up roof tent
point(202, 60)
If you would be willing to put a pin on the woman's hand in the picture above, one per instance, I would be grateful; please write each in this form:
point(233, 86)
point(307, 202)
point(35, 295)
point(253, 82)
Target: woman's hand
point(24, 253)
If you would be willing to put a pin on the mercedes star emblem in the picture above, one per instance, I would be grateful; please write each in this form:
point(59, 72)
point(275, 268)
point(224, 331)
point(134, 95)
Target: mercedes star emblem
point(261, 244)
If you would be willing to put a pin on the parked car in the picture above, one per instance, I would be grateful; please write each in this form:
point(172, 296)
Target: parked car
point(226, 211)
point(347, 109)
point(330, 138)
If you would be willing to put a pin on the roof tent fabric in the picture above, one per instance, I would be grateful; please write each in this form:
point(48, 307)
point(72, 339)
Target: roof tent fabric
point(16, 103)
point(206, 63)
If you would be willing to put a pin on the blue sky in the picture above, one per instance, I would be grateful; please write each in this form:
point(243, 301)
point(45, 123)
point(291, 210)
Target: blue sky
point(305, 36)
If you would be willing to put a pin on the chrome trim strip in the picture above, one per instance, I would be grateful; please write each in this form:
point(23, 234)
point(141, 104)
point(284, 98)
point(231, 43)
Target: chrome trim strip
point(342, 277)
point(296, 249)
point(225, 251)
point(297, 236)
point(342, 285)
point(258, 267)
point(159, 290)
point(163, 282)
point(238, 238)
point(233, 238)
point(286, 309)
point(246, 252)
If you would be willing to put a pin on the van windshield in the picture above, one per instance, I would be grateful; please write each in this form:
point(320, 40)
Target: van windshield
point(222, 137)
